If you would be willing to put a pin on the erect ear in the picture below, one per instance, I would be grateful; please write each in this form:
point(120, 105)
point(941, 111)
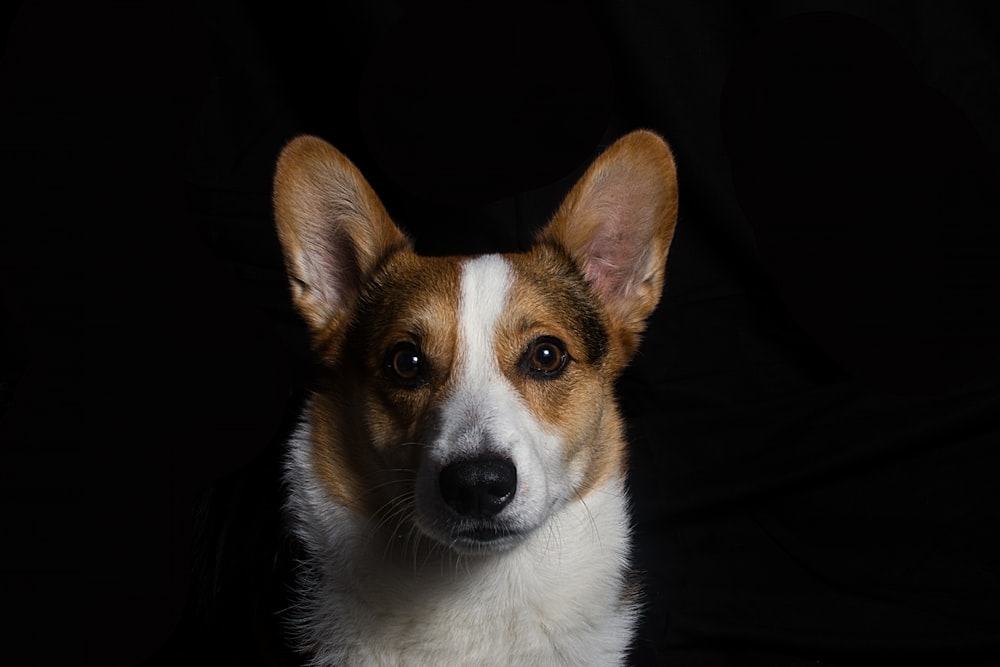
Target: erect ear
point(617, 223)
point(333, 230)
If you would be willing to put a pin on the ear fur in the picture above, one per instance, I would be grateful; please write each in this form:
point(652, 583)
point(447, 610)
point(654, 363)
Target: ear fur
point(333, 230)
point(617, 224)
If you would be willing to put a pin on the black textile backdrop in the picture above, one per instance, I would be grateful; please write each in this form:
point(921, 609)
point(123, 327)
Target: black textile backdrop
point(814, 415)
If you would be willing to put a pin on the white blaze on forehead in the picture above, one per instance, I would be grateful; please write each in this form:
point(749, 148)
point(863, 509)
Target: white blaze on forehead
point(486, 283)
point(482, 404)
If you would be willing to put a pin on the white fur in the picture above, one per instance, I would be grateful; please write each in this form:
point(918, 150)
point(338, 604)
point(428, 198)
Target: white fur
point(553, 598)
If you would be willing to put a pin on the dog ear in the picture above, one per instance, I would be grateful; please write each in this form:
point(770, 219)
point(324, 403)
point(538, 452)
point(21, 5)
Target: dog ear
point(617, 223)
point(333, 230)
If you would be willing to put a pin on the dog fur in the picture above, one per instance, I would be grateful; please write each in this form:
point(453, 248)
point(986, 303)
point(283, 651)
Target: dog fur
point(457, 481)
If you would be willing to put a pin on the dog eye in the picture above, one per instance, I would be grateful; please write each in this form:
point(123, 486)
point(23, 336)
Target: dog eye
point(546, 357)
point(405, 365)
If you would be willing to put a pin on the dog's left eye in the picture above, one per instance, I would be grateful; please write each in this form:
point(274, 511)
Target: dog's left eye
point(546, 357)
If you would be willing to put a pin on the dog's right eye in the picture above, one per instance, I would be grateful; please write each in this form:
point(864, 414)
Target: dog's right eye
point(405, 365)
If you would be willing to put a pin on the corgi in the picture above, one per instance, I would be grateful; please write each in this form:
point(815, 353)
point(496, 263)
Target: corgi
point(457, 481)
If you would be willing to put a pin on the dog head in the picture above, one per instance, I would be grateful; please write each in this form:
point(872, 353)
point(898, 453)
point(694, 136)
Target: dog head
point(469, 398)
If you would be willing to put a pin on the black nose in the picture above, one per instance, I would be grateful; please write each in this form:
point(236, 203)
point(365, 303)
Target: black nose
point(478, 488)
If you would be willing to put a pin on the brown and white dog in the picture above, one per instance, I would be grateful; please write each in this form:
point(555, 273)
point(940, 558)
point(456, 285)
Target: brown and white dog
point(458, 478)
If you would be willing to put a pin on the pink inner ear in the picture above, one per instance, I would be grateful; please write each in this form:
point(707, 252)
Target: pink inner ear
point(615, 253)
point(333, 268)
point(603, 272)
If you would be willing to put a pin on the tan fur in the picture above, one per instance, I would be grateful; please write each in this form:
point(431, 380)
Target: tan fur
point(581, 402)
point(387, 421)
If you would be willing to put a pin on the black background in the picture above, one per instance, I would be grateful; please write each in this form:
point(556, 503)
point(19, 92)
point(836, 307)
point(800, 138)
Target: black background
point(815, 411)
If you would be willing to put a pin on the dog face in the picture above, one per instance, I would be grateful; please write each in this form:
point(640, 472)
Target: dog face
point(467, 399)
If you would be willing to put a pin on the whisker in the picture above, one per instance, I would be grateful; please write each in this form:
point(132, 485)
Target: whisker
point(391, 482)
point(391, 509)
point(398, 505)
point(593, 522)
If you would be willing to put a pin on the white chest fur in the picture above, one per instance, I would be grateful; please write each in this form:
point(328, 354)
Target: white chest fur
point(555, 599)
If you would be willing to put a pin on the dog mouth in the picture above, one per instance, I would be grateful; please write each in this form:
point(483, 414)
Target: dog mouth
point(485, 539)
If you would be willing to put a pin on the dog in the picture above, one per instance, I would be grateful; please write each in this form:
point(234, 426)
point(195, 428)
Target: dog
point(457, 482)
